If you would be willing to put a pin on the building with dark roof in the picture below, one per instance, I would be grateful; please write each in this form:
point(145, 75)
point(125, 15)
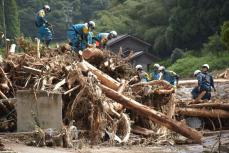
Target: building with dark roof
point(141, 49)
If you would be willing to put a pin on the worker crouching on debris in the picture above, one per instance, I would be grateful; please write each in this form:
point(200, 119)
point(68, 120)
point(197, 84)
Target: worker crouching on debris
point(88, 42)
point(44, 32)
point(168, 76)
point(155, 75)
point(208, 78)
point(202, 90)
point(102, 38)
point(78, 34)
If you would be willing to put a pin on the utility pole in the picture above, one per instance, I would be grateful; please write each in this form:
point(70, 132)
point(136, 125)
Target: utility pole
point(3, 17)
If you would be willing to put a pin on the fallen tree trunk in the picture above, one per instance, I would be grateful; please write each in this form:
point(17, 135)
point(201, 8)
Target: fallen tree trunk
point(210, 105)
point(89, 53)
point(214, 113)
point(190, 82)
point(102, 77)
point(153, 115)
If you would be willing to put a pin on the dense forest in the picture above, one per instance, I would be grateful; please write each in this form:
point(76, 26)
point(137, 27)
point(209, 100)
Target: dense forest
point(175, 28)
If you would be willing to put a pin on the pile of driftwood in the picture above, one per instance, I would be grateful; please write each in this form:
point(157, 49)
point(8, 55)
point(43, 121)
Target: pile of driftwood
point(96, 92)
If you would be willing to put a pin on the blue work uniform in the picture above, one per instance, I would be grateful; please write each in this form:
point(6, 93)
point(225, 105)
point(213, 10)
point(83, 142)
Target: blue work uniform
point(77, 34)
point(170, 77)
point(143, 76)
point(101, 39)
point(155, 75)
point(44, 33)
point(88, 41)
point(204, 84)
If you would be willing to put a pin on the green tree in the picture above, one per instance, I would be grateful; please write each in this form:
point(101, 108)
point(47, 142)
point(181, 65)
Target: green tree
point(1, 17)
point(176, 54)
point(225, 34)
point(12, 19)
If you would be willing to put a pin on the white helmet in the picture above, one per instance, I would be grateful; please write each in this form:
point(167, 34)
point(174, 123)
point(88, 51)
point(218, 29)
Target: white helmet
point(161, 68)
point(91, 24)
point(156, 66)
point(206, 65)
point(196, 72)
point(139, 67)
point(113, 34)
point(47, 8)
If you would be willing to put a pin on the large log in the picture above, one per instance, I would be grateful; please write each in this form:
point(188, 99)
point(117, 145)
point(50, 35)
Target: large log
point(190, 82)
point(89, 53)
point(102, 77)
point(153, 115)
point(210, 105)
point(213, 113)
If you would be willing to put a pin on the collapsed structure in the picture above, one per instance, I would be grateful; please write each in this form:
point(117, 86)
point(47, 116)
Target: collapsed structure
point(96, 94)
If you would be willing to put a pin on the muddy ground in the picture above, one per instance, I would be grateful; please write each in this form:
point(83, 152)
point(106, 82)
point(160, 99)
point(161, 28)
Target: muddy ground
point(210, 143)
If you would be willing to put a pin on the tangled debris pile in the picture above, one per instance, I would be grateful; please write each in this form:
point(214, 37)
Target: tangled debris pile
point(96, 93)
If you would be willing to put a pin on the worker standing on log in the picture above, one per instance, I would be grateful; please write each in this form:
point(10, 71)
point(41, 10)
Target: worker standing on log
point(155, 74)
point(44, 32)
point(102, 38)
point(168, 76)
point(202, 90)
point(78, 33)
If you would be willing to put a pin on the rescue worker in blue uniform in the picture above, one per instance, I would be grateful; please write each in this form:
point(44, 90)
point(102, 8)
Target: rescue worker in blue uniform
point(155, 74)
point(208, 76)
point(102, 38)
point(44, 32)
point(168, 76)
point(88, 42)
point(142, 75)
point(203, 90)
point(78, 35)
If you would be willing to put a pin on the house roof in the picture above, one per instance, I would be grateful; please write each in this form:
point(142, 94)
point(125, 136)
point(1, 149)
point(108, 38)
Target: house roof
point(140, 53)
point(121, 37)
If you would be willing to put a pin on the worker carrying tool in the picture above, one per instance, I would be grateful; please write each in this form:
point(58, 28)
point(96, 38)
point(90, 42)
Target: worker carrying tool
point(102, 38)
point(155, 74)
point(44, 32)
point(78, 35)
point(168, 76)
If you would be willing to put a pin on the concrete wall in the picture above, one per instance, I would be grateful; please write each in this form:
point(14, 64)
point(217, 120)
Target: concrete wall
point(129, 44)
point(47, 107)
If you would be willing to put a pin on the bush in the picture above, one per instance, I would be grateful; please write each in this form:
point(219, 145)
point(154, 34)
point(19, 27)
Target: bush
point(177, 54)
point(187, 65)
point(214, 45)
